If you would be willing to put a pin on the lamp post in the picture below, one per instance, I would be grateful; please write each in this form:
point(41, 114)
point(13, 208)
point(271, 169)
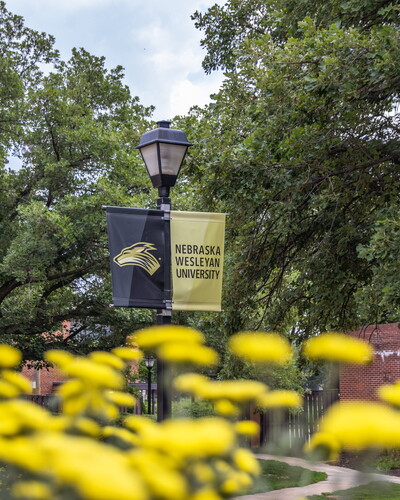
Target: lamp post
point(149, 362)
point(163, 151)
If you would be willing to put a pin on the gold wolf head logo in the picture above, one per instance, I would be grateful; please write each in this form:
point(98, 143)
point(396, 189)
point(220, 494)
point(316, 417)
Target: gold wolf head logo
point(138, 255)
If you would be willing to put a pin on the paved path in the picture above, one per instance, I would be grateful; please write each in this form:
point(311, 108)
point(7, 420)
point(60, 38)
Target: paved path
point(339, 478)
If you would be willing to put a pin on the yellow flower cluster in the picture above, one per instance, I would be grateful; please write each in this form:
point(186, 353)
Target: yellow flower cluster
point(227, 395)
point(334, 346)
point(82, 454)
point(261, 347)
point(280, 399)
point(176, 344)
point(94, 385)
point(12, 383)
point(353, 425)
point(357, 425)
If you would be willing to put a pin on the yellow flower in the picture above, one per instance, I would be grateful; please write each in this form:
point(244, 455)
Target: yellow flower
point(58, 357)
point(122, 434)
point(161, 479)
point(71, 388)
point(18, 380)
point(247, 428)
point(324, 446)
point(226, 408)
point(150, 338)
point(181, 353)
point(86, 426)
point(8, 390)
point(202, 472)
point(245, 461)
point(261, 347)
point(27, 414)
point(9, 356)
point(362, 424)
point(190, 438)
point(280, 399)
point(190, 382)
point(106, 358)
point(95, 470)
point(236, 482)
point(92, 404)
point(390, 394)
point(233, 390)
point(21, 453)
point(205, 494)
point(138, 423)
point(128, 353)
point(338, 347)
point(34, 490)
point(94, 374)
point(121, 398)
point(9, 425)
point(75, 405)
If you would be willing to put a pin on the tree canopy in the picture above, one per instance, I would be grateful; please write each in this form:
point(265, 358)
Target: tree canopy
point(73, 131)
point(301, 149)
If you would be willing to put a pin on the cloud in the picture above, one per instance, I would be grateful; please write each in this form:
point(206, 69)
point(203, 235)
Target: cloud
point(185, 94)
point(64, 5)
point(154, 40)
point(172, 62)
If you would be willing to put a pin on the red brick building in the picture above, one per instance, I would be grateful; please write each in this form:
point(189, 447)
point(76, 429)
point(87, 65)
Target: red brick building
point(362, 381)
point(45, 380)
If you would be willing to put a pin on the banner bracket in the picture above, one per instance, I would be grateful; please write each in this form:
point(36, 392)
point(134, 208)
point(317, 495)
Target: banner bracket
point(165, 312)
point(165, 207)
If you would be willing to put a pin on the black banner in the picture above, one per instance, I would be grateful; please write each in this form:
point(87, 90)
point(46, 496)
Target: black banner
point(137, 255)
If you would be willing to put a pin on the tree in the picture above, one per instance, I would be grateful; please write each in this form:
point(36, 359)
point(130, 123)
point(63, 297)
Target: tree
point(301, 149)
point(22, 51)
point(74, 132)
point(227, 26)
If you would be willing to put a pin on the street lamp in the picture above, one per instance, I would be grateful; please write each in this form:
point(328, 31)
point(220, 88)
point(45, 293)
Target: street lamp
point(149, 362)
point(163, 151)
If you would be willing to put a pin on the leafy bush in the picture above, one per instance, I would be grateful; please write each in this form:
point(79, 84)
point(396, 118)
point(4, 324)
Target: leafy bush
point(185, 407)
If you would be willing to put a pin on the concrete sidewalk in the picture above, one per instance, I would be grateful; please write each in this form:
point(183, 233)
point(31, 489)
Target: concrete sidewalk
point(339, 478)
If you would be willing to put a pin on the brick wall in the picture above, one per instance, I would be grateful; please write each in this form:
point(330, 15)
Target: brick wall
point(45, 380)
point(362, 381)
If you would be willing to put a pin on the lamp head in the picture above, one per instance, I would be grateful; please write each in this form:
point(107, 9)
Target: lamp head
point(163, 151)
point(149, 362)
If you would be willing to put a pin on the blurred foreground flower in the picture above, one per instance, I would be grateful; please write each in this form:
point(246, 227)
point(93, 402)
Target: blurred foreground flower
point(238, 391)
point(83, 454)
point(360, 425)
point(155, 336)
point(261, 347)
point(9, 356)
point(195, 354)
point(338, 347)
point(390, 394)
point(280, 399)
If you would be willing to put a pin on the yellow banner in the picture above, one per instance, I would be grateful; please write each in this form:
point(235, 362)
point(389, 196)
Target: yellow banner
point(197, 254)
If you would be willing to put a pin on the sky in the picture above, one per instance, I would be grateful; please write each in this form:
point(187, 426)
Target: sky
point(154, 40)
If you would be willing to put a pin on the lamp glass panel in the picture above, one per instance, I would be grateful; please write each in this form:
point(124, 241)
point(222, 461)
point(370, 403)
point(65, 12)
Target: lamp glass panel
point(171, 158)
point(150, 158)
point(149, 362)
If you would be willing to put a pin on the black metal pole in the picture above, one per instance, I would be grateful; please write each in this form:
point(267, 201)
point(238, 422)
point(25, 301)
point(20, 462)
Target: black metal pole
point(149, 390)
point(164, 316)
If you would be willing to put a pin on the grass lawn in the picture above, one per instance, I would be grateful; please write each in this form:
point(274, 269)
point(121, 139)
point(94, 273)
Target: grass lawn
point(377, 490)
point(276, 475)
